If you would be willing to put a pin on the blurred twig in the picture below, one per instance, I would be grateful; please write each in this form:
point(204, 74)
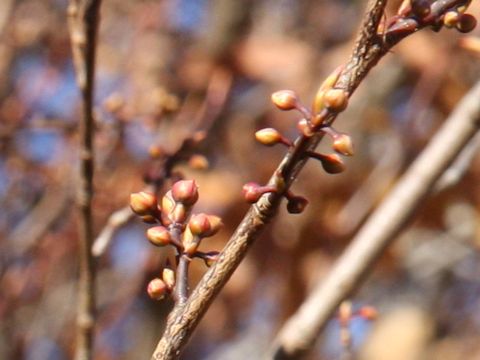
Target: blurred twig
point(300, 332)
point(83, 19)
point(369, 49)
point(460, 166)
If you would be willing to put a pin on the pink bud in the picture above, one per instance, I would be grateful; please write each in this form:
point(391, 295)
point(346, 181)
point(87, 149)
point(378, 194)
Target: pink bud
point(157, 289)
point(252, 192)
point(159, 236)
point(285, 99)
point(185, 192)
point(199, 224)
point(143, 203)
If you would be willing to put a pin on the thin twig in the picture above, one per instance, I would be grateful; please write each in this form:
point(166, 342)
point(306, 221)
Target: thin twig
point(299, 333)
point(369, 49)
point(83, 17)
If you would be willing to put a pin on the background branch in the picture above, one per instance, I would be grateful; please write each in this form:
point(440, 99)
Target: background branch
point(300, 332)
point(83, 16)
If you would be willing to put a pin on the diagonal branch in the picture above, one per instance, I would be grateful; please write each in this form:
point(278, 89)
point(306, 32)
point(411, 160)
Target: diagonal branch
point(299, 333)
point(369, 49)
point(83, 18)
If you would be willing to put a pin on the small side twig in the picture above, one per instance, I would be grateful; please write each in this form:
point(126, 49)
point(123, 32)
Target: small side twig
point(301, 330)
point(83, 19)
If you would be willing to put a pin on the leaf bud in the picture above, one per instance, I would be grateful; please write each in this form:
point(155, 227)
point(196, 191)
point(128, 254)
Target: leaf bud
point(168, 276)
point(336, 100)
point(159, 236)
point(185, 192)
point(285, 99)
point(157, 289)
point(143, 203)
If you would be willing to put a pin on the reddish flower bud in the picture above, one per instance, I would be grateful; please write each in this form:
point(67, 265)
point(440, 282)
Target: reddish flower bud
point(159, 236)
point(143, 203)
point(199, 224)
point(268, 136)
point(285, 99)
point(329, 82)
point(185, 192)
point(296, 204)
point(336, 100)
point(342, 144)
point(168, 276)
point(157, 289)
point(253, 191)
point(215, 225)
point(332, 164)
point(466, 23)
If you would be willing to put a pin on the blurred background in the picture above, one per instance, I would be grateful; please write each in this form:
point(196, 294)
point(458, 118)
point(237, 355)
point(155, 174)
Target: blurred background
point(168, 68)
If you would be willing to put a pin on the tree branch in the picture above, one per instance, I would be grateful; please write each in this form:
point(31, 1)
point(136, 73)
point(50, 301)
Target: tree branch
point(300, 332)
point(83, 18)
point(369, 49)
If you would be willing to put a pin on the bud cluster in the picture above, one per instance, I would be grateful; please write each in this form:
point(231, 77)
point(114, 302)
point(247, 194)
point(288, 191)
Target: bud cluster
point(177, 226)
point(159, 288)
point(328, 102)
point(413, 14)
